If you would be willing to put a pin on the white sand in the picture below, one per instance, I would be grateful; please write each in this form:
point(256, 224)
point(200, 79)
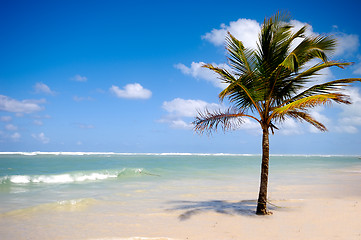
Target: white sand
point(326, 218)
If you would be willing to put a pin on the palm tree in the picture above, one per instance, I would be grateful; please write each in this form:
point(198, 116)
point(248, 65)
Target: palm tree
point(269, 84)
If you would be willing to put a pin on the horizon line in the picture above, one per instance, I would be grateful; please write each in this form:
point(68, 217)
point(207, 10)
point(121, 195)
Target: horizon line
point(77, 153)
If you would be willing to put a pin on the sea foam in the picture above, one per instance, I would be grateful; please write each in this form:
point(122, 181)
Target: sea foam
point(20, 179)
point(71, 177)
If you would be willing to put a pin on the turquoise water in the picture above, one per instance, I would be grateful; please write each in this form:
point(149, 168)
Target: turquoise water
point(28, 180)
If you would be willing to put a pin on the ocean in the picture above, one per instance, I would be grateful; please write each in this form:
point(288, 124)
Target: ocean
point(67, 189)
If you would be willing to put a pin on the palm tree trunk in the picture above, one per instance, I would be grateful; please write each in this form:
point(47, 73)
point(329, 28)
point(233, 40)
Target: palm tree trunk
point(262, 197)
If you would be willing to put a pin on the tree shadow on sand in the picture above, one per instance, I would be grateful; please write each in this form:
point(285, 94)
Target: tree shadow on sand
point(244, 207)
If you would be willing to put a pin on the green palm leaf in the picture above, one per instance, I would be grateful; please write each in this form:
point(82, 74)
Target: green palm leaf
point(325, 87)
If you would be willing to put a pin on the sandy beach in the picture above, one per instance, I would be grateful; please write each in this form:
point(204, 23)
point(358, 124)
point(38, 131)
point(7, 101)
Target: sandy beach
point(303, 219)
point(320, 218)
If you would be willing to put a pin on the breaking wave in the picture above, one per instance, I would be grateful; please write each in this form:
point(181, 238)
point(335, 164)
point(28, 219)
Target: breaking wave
point(73, 177)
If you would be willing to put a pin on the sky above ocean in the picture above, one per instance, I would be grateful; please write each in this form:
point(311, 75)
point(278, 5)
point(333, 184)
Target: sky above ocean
point(126, 76)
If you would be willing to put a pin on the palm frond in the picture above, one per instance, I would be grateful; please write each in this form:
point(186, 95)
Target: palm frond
point(275, 60)
point(290, 62)
point(208, 121)
point(302, 116)
point(286, 79)
point(223, 74)
point(325, 88)
point(309, 102)
point(242, 86)
point(237, 91)
point(274, 44)
point(290, 86)
point(315, 47)
point(318, 67)
point(241, 59)
point(309, 48)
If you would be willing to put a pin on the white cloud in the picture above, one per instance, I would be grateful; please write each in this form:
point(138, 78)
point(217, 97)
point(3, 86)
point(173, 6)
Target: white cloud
point(347, 44)
point(251, 125)
point(25, 106)
point(79, 78)
point(188, 107)
point(181, 112)
point(41, 137)
point(316, 114)
point(297, 25)
point(246, 30)
point(354, 120)
point(295, 127)
point(348, 120)
point(350, 117)
point(180, 109)
point(6, 118)
point(131, 91)
point(197, 71)
point(290, 127)
point(43, 88)
point(346, 129)
point(15, 136)
point(176, 123)
point(11, 127)
point(355, 107)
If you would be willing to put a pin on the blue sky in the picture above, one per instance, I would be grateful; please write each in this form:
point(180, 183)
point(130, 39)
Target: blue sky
point(125, 76)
